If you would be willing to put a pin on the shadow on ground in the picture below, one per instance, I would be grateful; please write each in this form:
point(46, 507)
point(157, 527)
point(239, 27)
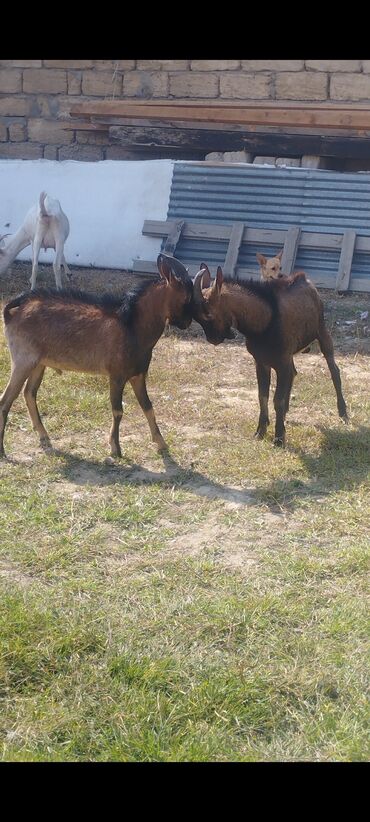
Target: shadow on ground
point(343, 463)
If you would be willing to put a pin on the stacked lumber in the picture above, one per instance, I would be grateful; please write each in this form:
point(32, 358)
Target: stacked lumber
point(341, 130)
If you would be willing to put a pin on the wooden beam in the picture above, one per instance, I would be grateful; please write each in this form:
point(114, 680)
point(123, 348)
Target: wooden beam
point(153, 122)
point(173, 237)
point(357, 284)
point(82, 126)
point(328, 116)
point(290, 249)
point(256, 142)
point(345, 262)
point(266, 236)
point(232, 254)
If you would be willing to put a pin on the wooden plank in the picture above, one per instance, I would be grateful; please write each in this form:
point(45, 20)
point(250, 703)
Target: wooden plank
point(152, 122)
point(290, 249)
point(232, 254)
point(173, 237)
point(214, 231)
point(208, 231)
point(345, 262)
point(117, 106)
point(144, 267)
point(303, 116)
point(357, 284)
point(221, 140)
point(82, 126)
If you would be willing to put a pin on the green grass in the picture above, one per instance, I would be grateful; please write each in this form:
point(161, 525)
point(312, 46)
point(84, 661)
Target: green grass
point(212, 608)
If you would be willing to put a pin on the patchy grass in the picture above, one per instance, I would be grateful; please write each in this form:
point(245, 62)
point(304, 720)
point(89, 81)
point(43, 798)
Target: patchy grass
point(210, 605)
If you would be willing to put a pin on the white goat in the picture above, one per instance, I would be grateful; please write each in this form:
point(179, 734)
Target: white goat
point(45, 225)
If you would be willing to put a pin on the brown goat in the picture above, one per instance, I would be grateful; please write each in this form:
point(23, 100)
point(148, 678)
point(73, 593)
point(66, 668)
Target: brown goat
point(278, 318)
point(75, 331)
point(270, 266)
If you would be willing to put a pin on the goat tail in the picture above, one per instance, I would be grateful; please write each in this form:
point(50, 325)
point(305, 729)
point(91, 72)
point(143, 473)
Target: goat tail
point(43, 211)
point(9, 306)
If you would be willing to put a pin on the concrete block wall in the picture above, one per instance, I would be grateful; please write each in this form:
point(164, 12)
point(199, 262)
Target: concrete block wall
point(35, 95)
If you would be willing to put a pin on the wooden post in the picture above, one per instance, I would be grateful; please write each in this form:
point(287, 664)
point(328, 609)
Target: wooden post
point(173, 237)
point(345, 262)
point(290, 249)
point(233, 249)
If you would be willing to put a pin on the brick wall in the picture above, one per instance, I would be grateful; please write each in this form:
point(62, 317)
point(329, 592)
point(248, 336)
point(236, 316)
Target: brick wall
point(35, 95)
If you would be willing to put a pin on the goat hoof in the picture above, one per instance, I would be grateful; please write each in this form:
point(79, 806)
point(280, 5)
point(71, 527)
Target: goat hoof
point(279, 442)
point(46, 444)
point(259, 435)
point(160, 444)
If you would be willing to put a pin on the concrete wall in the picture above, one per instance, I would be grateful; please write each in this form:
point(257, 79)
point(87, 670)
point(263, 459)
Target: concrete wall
point(36, 95)
point(105, 202)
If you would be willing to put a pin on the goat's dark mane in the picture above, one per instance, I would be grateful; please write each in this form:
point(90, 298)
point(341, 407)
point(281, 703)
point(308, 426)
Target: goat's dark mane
point(123, 305)
point(267, 290)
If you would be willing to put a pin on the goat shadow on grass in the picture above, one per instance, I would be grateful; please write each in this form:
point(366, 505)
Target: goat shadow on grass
point(342, 464)
point(89, 472)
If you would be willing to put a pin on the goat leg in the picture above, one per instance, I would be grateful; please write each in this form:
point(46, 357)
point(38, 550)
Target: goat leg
point(30, 392)
point(263, 378)
point(116, 391)
point(139, 388)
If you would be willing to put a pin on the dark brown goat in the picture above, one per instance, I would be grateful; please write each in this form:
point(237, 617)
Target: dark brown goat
point(74, 331)
point(278, 318)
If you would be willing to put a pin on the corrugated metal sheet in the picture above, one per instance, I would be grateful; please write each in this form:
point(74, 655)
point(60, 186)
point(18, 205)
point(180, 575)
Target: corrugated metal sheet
point(275, 198)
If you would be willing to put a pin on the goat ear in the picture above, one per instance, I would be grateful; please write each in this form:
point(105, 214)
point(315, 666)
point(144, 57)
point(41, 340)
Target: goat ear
point(280, 254)
point(164, 268)
point(219, 280)
point(206, 279)
point(261, 259)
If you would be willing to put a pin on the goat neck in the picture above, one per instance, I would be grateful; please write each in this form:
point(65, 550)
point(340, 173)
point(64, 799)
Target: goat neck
point(151, 315)
point(13, 245)
point(248, 312)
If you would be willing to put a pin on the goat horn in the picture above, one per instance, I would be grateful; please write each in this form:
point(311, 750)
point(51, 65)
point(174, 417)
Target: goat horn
point(197, 286)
